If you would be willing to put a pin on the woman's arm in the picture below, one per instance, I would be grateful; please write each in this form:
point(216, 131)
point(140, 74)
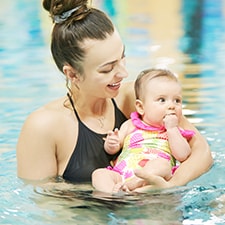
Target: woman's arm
point(36, 158)
point(199, 162)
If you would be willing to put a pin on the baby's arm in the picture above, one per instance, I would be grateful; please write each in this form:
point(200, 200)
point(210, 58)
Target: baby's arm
point(114, 139)
point(179, 146)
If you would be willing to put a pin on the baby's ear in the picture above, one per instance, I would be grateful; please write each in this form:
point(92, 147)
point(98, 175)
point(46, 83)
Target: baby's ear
point(139, 106)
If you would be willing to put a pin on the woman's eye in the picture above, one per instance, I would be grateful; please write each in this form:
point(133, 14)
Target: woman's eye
point(107, 70)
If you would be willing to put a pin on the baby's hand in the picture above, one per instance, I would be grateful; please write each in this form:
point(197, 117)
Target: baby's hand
point(170, 121)
point(112, 142)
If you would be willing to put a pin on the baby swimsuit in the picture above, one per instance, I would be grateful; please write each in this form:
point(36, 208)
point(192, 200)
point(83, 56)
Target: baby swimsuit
point(144, 143)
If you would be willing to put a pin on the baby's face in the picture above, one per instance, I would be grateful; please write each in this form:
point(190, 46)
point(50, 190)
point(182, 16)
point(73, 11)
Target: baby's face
point(162, 97)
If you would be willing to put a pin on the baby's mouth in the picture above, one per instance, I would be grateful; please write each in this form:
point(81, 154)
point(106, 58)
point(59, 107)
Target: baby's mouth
point(171, 113)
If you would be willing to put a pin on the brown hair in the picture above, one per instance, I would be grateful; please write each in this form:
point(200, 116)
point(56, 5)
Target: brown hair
point(69, 34)
point(146, 75)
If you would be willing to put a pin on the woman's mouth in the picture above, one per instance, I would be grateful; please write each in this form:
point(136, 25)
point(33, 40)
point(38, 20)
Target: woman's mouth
point(114, 85)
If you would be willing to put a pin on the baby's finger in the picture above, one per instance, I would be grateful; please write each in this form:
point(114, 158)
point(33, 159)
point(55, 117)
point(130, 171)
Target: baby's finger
point(110, 133)
point(116, 131)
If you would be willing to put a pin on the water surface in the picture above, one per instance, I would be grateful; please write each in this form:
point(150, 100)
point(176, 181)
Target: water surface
point(186, 36)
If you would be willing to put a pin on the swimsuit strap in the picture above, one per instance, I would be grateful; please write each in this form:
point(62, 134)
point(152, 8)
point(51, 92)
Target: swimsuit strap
point(72, 104)
point(114, 103)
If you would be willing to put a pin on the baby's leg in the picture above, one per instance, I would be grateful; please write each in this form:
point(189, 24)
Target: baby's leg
point(107, 181)
point(160, 167)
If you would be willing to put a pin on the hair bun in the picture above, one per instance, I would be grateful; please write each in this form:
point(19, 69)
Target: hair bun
point(47, 4)
point(65, 15)
point(61, 10)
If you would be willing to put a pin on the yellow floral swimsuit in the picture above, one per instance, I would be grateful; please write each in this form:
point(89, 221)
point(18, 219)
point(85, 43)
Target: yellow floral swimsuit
point(143, 144)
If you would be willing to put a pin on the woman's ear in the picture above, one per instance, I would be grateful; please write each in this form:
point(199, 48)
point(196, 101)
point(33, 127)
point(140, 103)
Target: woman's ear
point(71, 73)
point(139, 106)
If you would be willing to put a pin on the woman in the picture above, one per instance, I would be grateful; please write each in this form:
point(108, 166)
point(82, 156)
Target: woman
point(65, 137)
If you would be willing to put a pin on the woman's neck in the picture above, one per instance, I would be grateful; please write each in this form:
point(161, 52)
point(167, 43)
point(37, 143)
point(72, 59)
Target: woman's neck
point(91, 107)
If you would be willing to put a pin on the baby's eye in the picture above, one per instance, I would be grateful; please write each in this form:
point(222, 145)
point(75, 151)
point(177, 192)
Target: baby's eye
point(161, 99)
point(178, 100)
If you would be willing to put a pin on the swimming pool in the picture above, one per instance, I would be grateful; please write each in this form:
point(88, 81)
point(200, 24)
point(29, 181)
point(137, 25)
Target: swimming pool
point(186, 36)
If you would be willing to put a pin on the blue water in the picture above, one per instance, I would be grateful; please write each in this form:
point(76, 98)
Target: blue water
point(186, 36)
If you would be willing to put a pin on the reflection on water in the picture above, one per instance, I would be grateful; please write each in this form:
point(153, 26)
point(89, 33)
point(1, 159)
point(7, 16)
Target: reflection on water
point(79, 205)
point(186, 36)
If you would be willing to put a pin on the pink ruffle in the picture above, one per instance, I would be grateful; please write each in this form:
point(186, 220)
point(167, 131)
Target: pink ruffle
point(140, 125)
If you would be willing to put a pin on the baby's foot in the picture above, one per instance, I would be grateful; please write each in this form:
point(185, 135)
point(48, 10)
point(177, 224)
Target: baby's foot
point(120, 190)
point(117, 188)
point(134, 183)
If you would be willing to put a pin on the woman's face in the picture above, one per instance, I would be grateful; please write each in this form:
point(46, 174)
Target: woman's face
point(104, 67)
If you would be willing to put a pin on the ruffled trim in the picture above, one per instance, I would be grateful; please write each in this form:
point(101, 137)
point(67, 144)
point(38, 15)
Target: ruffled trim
point(137, 122)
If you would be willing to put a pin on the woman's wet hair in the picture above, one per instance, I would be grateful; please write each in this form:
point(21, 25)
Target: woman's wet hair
point(74, 22)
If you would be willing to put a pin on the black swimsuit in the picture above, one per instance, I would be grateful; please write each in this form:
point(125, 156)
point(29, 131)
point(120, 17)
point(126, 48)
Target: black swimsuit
point(89, 153)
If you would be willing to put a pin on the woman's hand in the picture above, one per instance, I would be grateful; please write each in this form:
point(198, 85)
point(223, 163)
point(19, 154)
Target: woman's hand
point(154, 181)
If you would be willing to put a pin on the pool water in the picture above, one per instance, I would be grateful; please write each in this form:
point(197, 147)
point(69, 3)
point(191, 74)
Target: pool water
point(186, 36)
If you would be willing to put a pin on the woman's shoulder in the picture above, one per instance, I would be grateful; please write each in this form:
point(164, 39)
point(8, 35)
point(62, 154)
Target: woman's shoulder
point(126, 98)
point(48, 115)
point(54, 107)
point(127, 87)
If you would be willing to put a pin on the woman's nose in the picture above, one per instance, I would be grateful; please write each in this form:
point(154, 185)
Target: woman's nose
point(121, 68)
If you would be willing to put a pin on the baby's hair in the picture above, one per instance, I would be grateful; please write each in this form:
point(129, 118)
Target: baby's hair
point(146, 75)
